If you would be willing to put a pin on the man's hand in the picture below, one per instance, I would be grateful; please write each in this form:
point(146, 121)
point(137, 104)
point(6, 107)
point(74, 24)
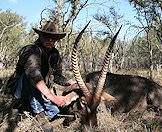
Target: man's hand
point(59, 100)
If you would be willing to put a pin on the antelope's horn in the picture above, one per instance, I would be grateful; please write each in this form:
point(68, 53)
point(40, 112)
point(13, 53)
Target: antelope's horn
point(75, 66)
point(104, 70)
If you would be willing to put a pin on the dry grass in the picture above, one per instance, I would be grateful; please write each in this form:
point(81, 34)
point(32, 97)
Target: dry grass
point(6, 72)
point(134, 121)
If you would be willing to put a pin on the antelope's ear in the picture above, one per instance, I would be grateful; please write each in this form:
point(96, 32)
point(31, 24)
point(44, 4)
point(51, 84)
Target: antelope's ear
point(70, 98)
point(107, 97)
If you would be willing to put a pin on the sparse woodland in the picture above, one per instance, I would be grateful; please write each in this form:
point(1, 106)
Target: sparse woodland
point(140, 55)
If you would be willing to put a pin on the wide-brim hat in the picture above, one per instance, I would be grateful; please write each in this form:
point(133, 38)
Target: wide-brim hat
point(50, 29)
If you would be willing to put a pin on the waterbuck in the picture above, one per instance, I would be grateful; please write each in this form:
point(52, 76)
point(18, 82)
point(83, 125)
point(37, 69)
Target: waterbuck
point(120, 92)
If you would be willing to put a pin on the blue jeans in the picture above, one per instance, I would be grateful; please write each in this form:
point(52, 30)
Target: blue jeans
point(38, 106)
point(37, 103)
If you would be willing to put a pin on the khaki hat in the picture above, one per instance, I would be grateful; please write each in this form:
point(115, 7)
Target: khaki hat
point(50, 29)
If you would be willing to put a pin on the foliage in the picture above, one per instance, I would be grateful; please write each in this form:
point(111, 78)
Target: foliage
point(111, 20)
point(12, 36)
point(151, 11)
point(149, 46)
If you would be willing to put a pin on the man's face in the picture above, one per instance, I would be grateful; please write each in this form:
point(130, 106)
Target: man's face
point(48, 42)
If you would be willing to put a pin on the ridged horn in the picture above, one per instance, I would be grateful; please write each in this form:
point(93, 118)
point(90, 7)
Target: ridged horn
point(75, 66)
point(104, 70)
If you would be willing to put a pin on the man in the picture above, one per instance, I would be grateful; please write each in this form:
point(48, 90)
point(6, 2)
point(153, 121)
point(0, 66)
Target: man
point(36, 64)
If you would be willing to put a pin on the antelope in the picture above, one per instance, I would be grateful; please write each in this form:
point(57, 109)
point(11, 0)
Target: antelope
point(90, 96)
point(119, 92)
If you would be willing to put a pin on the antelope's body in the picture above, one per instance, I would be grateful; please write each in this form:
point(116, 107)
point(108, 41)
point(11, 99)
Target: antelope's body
point(126, 92)
point(129, 91)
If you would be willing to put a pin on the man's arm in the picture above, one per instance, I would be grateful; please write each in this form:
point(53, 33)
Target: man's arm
point(59, 100)
point(32, 70)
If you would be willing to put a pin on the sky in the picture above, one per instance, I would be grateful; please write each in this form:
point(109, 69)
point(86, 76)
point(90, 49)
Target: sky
point(31, 9)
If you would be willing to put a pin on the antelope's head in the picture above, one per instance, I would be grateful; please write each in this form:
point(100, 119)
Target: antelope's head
point(89, 95)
